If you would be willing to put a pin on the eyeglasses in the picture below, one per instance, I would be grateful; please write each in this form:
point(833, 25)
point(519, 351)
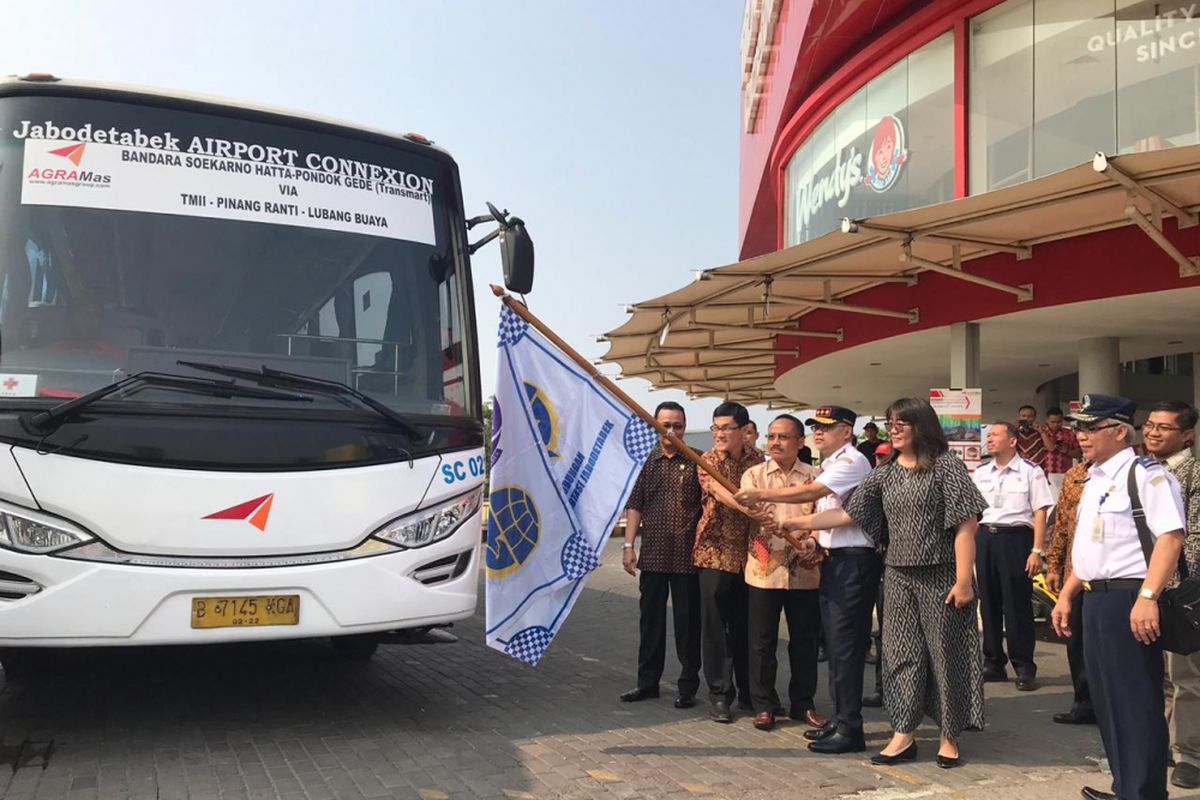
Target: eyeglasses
point(781, 437)
point(1091, 427)
point(673, 426)
point(897, 425)
point(825, 428)
point(724, 428)
point(1151, 427)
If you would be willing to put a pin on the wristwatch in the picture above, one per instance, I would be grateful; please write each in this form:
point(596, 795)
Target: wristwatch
point(1038, 552)
point(627, 546)
point(1146, 593)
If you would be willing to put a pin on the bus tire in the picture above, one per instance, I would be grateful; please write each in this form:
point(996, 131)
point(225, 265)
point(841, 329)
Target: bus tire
point(357, 647)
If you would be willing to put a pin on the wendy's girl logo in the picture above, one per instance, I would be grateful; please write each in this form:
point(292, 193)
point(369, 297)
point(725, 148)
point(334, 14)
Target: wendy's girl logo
point(887, 155)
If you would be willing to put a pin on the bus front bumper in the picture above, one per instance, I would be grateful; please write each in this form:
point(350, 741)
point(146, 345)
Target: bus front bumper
point(82, 603)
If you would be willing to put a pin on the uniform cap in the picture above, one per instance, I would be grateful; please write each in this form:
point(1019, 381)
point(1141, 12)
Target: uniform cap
point(828, 415)
point(1096, 407)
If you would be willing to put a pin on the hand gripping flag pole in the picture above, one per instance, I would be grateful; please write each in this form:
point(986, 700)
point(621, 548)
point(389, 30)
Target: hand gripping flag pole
point(525, 314)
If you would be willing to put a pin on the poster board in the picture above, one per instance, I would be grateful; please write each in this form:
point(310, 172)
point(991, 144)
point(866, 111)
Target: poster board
point(959, 412)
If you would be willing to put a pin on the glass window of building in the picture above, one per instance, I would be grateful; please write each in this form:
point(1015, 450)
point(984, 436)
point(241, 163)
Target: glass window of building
point(1000, 123)
point(887, 148)
point(1157, 49)
point(1074, 86)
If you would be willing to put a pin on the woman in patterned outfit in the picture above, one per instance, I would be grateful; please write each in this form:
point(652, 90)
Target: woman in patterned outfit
point(923, 506)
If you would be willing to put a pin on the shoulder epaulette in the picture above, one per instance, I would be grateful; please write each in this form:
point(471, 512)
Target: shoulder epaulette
point(1030, 463)
point(1149, 462)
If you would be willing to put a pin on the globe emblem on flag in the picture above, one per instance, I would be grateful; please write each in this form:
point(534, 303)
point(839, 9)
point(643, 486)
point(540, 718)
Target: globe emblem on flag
point(545, 417)
point(513, 530)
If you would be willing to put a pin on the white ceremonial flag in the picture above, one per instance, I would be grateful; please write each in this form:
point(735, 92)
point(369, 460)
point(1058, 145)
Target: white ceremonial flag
point(565, 454)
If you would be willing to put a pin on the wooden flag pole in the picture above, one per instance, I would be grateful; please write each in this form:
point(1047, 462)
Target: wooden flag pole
point(527, 315)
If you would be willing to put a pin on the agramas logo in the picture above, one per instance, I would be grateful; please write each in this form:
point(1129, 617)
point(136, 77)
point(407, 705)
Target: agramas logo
point(254, 511)
point(72, 153)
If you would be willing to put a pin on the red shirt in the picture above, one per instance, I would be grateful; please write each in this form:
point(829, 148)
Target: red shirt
point(1060, 459)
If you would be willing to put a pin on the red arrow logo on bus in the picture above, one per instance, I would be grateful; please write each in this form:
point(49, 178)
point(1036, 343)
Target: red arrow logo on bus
point(72, 152)
point(253, 511)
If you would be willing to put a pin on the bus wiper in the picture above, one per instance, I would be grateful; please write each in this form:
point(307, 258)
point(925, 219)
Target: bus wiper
point(274, 377)
point(45, 422)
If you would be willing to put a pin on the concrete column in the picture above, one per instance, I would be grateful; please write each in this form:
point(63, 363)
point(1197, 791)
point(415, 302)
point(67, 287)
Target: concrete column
point(1047, 396)
point(964, 355)
point(1100, 365)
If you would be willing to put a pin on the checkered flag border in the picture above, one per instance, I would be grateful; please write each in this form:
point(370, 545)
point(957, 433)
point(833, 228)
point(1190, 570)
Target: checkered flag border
point(640, 439)
point(577, 558)
point(512, 327)
point(529, 644)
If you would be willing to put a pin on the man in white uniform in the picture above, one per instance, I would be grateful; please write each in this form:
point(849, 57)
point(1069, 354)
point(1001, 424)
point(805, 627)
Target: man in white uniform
point(1009, 548)
point(1120, 610)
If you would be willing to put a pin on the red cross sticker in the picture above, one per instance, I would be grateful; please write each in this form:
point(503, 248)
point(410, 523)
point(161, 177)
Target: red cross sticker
point(10, 383)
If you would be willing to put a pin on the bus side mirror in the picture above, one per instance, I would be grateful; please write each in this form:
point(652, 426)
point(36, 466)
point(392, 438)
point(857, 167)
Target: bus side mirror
point(516, 253)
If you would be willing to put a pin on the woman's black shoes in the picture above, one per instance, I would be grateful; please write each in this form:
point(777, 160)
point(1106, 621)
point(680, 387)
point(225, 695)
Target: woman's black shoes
point(947, 762)
point(907, 754)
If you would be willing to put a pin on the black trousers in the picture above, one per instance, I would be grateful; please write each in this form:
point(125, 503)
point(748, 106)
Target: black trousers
point(1126, 679)
point(1079, 680)
point(723, 644)
point(1006, 598)
point(684, 591)
point(801, 607)
point(849, 585)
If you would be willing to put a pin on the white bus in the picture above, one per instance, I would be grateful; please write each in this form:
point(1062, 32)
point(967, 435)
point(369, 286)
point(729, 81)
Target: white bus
point(239, 386)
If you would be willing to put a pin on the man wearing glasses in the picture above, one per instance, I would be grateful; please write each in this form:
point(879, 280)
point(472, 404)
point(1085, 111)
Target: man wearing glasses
point(722, 539)
point(1120, 613)
point(1169, 434)
point(849, 574)
point(665, 507)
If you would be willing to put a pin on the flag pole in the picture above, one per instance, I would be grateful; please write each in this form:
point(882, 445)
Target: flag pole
point(590, 368)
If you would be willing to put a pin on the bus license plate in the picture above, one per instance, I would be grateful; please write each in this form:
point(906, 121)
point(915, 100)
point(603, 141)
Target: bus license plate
point(245, 612)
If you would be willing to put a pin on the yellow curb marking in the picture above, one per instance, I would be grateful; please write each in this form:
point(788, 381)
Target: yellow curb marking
point(900, 775)
point(604, 775)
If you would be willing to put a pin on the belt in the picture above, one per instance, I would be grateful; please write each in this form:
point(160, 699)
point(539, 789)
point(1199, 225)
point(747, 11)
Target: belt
point(849, 551)
point(1006, 528)
point(1113, 585)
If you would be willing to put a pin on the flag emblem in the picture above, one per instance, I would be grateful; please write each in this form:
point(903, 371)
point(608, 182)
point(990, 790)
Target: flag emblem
point(513, 529)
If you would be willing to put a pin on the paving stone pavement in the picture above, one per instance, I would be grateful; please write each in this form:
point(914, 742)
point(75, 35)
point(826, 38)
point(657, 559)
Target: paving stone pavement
point(434, 722)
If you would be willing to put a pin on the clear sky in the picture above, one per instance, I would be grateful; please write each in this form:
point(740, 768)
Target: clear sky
point(610, 127)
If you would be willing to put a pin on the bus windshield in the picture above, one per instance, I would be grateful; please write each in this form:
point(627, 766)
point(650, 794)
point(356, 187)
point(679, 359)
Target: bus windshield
point(136, 236)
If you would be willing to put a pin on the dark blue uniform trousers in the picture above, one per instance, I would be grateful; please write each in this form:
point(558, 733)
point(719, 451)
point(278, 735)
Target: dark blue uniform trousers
point(1126, 680)
point(1006, 597)
point(849, 584)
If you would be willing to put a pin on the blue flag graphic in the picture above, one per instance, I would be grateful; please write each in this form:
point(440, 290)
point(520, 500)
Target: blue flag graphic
point(565, 454)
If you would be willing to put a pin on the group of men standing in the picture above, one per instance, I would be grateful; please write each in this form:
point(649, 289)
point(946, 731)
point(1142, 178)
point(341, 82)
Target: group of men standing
point(730, 572)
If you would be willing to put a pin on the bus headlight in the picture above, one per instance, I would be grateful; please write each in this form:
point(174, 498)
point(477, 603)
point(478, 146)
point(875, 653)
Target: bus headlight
point(28, 535)
point(431, 524)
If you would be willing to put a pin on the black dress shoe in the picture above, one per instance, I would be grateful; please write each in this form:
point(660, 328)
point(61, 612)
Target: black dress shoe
point(1076, 716)
point(813, 734)
point(948, 762)
point(1185, 776)
point(995, 675)
point(720, 712)
point(873, 700)
point(634, 695)
point(1095, 794)
point(907, 754)
point(685, 701)
point(838, 743)
point(1027, 683)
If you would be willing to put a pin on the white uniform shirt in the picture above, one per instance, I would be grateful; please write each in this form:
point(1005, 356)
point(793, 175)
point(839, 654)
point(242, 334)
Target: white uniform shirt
point(841, 473)
point(1106, 539)
point(1013, 492)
